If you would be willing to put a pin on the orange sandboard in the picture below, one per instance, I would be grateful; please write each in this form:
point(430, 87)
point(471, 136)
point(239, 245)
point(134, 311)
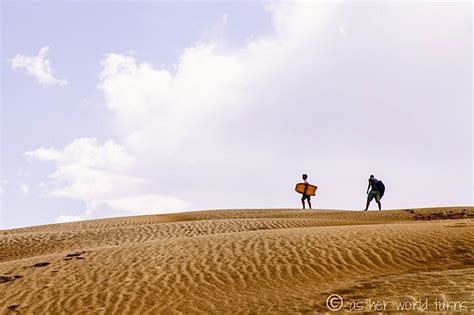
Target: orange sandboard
point(300, 187)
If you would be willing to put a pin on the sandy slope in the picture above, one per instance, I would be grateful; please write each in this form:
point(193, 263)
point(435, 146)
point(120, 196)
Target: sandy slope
point(242, 261)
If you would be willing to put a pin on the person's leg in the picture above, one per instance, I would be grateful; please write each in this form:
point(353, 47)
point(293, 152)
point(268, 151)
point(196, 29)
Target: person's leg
point(309, 202)
point(377, 198)
point(369, 199)
point(302, 201)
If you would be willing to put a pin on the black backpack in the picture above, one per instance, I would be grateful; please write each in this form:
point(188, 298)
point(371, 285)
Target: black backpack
point(381, 188)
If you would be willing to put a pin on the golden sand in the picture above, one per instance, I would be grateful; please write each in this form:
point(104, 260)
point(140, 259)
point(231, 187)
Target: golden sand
point(242, 261)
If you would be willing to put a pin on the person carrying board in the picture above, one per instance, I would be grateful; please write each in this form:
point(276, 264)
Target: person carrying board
point(305, 195)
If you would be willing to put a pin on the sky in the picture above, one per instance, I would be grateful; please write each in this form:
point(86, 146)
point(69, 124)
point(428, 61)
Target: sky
point(126, 108)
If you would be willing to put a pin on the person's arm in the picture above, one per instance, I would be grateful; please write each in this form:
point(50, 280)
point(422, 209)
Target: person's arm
point(368, 187)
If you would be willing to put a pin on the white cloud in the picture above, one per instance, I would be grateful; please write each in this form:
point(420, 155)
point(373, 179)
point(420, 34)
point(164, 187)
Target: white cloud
point(39, 67)
point(88, 170)
point(87, 153)
point(149, 101)
point(99, 175)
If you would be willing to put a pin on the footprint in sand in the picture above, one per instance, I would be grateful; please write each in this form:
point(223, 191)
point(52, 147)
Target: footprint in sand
point(76, 255)
point(5, 278)
point(41, 264)
point(13, 307)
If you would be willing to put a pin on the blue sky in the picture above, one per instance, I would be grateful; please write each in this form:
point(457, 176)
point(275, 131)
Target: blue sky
point(182, 106)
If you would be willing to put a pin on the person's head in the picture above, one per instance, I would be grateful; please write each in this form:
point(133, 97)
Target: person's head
point(372, 176)
point(305, 176)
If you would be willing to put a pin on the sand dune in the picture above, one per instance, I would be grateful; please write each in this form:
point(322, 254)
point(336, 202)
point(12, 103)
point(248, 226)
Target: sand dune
point(242, 261)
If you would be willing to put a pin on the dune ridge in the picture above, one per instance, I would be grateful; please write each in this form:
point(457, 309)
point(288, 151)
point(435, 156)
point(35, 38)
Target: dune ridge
point(244, 261)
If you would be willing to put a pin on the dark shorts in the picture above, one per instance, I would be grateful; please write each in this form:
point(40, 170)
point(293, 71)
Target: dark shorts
point(308, 197)
point(374, 194)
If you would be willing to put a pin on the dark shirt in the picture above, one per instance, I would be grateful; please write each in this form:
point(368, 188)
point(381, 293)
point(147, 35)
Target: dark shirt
point(373, 184)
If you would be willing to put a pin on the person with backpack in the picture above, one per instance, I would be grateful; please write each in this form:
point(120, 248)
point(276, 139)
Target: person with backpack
point(377, 190)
